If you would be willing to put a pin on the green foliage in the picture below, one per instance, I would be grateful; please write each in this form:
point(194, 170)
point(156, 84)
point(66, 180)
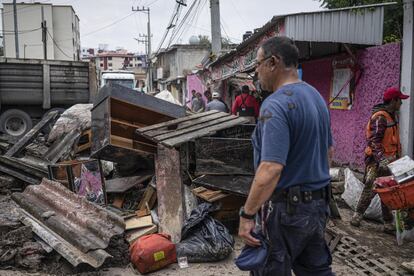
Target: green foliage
point(393, 17)
point(204, 40)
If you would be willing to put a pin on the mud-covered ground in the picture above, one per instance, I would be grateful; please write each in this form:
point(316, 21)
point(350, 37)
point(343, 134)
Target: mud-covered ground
point(369, 237)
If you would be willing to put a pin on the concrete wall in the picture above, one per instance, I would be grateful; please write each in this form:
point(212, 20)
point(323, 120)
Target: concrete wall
point(381, 67)
point(62, 24)
point(66, 33)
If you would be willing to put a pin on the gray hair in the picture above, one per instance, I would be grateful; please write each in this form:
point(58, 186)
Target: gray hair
point(283, 47)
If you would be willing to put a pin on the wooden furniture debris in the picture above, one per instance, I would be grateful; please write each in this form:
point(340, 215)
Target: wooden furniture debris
point(135, 222)
point(169, 192)
point(117, 113)
point(209, 195)
point(176, 132)
point(85, 141)
point(216, 155)
point(133, 235)
point(232, 184)
point(123, 184)
point(63, 147)
point(83, 177)
point(142, 213)
point(148, 199)
point(31, 135)
point(119, 201)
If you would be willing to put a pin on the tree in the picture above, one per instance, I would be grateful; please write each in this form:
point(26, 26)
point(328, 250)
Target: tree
point(204, 40)
point(393, 17)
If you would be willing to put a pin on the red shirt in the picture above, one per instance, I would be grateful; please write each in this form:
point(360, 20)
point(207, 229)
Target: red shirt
point(249, 101)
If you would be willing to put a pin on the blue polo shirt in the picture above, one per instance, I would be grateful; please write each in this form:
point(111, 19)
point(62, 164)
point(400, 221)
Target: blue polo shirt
point(294, 130)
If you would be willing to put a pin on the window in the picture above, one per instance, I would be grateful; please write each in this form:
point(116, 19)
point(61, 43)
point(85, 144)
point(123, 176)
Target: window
point(101, 65)
point(130, 65)
point(109, 58)
point(110, 64)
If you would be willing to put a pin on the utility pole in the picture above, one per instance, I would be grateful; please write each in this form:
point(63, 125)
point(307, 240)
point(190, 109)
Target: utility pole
point(16, 31)
point(147, 11)
point(215, 28)
point(44, 34)
point(407, 81)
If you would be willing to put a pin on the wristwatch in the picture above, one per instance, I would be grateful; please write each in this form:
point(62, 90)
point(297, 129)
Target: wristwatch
point(243, 214)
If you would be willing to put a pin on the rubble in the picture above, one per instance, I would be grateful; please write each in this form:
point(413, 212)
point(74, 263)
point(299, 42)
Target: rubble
point(152, 172)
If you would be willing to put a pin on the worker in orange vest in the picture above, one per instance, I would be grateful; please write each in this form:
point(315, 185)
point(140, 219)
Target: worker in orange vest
point(383, 147)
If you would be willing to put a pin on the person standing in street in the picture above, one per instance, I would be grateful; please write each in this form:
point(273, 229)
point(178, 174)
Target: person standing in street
point(197, 103)
point(383, 147)
point(216, 103)
point(246, 105)
point(291, 142)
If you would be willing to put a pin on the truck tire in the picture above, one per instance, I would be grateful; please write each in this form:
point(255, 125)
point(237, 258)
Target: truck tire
point(15, 122)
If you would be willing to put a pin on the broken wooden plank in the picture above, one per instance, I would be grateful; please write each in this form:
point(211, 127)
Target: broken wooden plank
point(62, 147)
point(209, 195)
point(142, 213)
point(232, 184)
point(133, 235)
point(176, 141)
point(169, 192)
point(135, 222)
point(195, 127)
point(177, 121)
point(31, 135)
point(184, 125)
point(119, 201)
point(81, 146)
point(148, 199)
point(123, 184)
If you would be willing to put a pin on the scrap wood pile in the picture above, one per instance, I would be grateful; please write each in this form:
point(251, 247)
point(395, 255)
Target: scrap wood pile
point(116, 172)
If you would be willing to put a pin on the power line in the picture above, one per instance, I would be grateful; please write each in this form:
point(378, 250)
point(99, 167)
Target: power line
point(26, 7)
point(181, 24)
point(20, 32)
point(109, 25)
point(57, 46)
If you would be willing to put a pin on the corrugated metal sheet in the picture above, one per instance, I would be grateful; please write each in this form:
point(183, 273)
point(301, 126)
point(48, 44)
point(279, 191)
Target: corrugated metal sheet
point(359, 26)
point(178, 131)
point(21, 82)
point(74, 227)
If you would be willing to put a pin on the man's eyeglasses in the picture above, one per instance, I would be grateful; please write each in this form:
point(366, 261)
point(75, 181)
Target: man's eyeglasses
point(260, 62)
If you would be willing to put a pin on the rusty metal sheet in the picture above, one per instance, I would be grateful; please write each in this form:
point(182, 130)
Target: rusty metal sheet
point(74, 227)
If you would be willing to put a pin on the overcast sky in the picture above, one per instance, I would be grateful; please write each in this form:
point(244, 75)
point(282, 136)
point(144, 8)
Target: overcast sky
point(112, 22)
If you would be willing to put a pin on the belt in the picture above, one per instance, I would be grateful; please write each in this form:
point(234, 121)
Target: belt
point(303, 196)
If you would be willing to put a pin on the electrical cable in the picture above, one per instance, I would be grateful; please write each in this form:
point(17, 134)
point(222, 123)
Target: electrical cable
point(181, 24)
point(109, 25)
point(23, 8)
point(20, 32)
point(57, 46)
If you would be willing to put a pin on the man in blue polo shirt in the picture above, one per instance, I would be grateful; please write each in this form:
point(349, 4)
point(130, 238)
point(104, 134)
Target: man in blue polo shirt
point(292, 141)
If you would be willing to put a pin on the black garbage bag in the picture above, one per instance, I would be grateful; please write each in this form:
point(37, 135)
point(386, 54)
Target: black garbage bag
point(204, 239)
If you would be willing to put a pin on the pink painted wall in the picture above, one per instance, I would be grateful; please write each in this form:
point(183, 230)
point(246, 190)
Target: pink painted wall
point(381, 67)
point(194, 83)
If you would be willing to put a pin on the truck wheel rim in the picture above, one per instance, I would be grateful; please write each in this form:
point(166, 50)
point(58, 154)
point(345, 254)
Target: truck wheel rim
point(15, 126)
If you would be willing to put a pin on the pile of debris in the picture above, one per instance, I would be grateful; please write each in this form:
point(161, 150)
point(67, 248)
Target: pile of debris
point(89, 183)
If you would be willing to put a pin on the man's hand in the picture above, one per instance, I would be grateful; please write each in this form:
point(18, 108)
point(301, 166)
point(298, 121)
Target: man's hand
point(245, 229)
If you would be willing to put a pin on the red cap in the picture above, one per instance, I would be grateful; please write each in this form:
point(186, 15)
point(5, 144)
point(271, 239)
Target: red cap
point(393, 93)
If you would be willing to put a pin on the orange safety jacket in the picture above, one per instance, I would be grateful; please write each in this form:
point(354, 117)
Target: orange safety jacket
point(391, 141)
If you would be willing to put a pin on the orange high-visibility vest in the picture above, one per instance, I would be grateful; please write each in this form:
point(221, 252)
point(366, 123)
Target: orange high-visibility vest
point(391, 141)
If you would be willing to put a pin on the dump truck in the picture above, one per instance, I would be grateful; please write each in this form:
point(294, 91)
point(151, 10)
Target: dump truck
point(29, 88)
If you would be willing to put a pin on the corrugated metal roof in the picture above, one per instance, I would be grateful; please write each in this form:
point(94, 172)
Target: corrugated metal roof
point(176, 132)
point(362, 26)
point(74, 227)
